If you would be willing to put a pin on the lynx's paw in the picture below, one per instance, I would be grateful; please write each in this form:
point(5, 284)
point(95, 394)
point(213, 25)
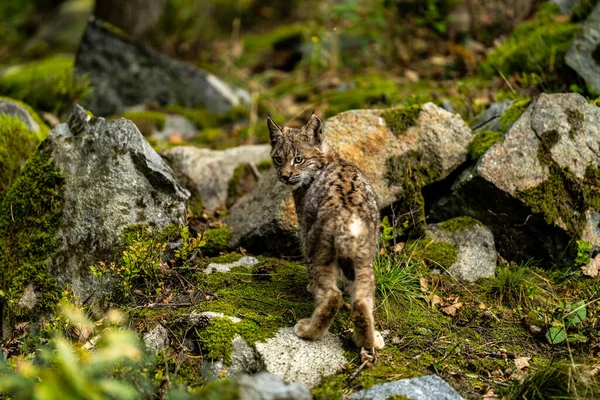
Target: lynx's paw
point(378, 342)
point(302, 329)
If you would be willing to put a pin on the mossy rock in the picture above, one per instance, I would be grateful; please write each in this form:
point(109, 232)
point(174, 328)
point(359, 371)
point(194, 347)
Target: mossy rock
point(458, 224)
point(47, 85)
point(30, 216)
point(482, 142)
point(16, 145)
point(401, 118)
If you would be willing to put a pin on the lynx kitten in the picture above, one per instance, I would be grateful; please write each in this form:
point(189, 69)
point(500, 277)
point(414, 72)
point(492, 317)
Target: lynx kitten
point(339, 220)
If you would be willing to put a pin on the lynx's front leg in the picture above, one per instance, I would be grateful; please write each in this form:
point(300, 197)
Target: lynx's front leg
point(328, 300)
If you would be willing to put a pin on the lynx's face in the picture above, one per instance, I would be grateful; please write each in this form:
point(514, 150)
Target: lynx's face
point(297, 154)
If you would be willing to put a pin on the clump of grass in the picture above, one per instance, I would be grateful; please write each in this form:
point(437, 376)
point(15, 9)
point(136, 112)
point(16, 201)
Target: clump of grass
point(513, 285)
point(396, 278)
point(559, 380)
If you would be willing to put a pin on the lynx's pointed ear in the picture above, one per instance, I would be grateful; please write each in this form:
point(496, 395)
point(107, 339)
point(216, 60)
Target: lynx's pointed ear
point(315, 127)
point(274, 130)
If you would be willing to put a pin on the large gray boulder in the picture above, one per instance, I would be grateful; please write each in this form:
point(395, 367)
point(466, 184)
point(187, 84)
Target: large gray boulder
point(266, 386)
point(539, 188)
point(124, 73)
point(112, 179)
point(208, 172)
point(584, 54)
point(399, 150)
point(422, 388)
point(476, 254)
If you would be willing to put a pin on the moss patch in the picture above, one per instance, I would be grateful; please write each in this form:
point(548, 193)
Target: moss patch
point(481, 143)
point(433, 254)
point(582, 10)
point(513, 113)
point(44, 130)
point(401, 118)
point(30, 215)
point(48, 85)
point(217, 240)
point(575, 119)
point(562, 198)
point(16, 144)
point(412, 171)
point(264, 305)
point(534, 46)
point(459, 224)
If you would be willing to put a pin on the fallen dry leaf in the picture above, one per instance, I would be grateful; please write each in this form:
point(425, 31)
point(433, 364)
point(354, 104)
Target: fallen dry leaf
point(423, 283)
point(522, 362)
point(398, 247)
point(591, 269)
point(434, 299)
point(452, 308)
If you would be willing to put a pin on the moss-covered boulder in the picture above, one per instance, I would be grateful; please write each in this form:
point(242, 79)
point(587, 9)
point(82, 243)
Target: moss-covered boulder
point(475, 250)
point(538, 189)
point(21, 131)
point(124, 73)
point(400, 150)
point(86, 183)
point(210, 171)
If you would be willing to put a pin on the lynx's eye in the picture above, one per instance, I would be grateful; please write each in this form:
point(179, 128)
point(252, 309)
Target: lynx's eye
point(298, 160)
point(277, 160)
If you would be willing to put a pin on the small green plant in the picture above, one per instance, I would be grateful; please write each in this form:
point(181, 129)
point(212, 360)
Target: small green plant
point(583, 250)
point(396, 278)
point(61, 369)
point(140, 265)
point(513, 285)
point(567, 323)
point(387, 231)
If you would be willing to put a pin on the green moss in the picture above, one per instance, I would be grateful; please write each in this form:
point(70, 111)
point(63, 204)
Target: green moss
point(217, 240)
point(30, 215)
point(202, 118)
point(146, 121)
point(536, 46)
point(399, 119)
point(16, 144)
point(562, 198)
point(232, 185)
point(582, 10)
point(481, 143)
point(215, 138)
point(412, 171)
point(459, 223)
point(225, 258)
point(44, 130)
point(434, 254)
point(48, 85)
point(513, 114)
point(264, 305)
point(575, 119)
point(223, 389)
point(264, 165)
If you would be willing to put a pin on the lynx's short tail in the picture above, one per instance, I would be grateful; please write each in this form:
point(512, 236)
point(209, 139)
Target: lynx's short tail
point(350, 241)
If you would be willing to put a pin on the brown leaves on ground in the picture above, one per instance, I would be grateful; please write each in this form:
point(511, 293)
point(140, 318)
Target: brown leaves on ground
point(449, 305)
point(592, 268)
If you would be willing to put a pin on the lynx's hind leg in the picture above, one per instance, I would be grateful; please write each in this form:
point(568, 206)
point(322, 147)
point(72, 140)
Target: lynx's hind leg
point(361, 315)
point(328, 298)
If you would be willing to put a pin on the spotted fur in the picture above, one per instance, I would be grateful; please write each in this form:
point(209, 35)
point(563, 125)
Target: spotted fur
point(339, 220)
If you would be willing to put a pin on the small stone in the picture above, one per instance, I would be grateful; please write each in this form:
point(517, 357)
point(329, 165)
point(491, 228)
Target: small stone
point(265, 386)
point(245, 261)
point(157, 339)
point(29, 299)
point(422, 388)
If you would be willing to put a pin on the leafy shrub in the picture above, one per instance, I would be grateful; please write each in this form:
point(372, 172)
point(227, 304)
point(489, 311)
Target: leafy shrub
point(216, 240)
point(48, 85)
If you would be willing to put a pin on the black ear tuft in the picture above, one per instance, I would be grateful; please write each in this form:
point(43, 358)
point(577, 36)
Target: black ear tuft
point(315, 126)
point(274, 130)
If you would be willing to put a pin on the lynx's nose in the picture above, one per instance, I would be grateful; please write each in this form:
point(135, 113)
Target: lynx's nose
point(286, 177)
